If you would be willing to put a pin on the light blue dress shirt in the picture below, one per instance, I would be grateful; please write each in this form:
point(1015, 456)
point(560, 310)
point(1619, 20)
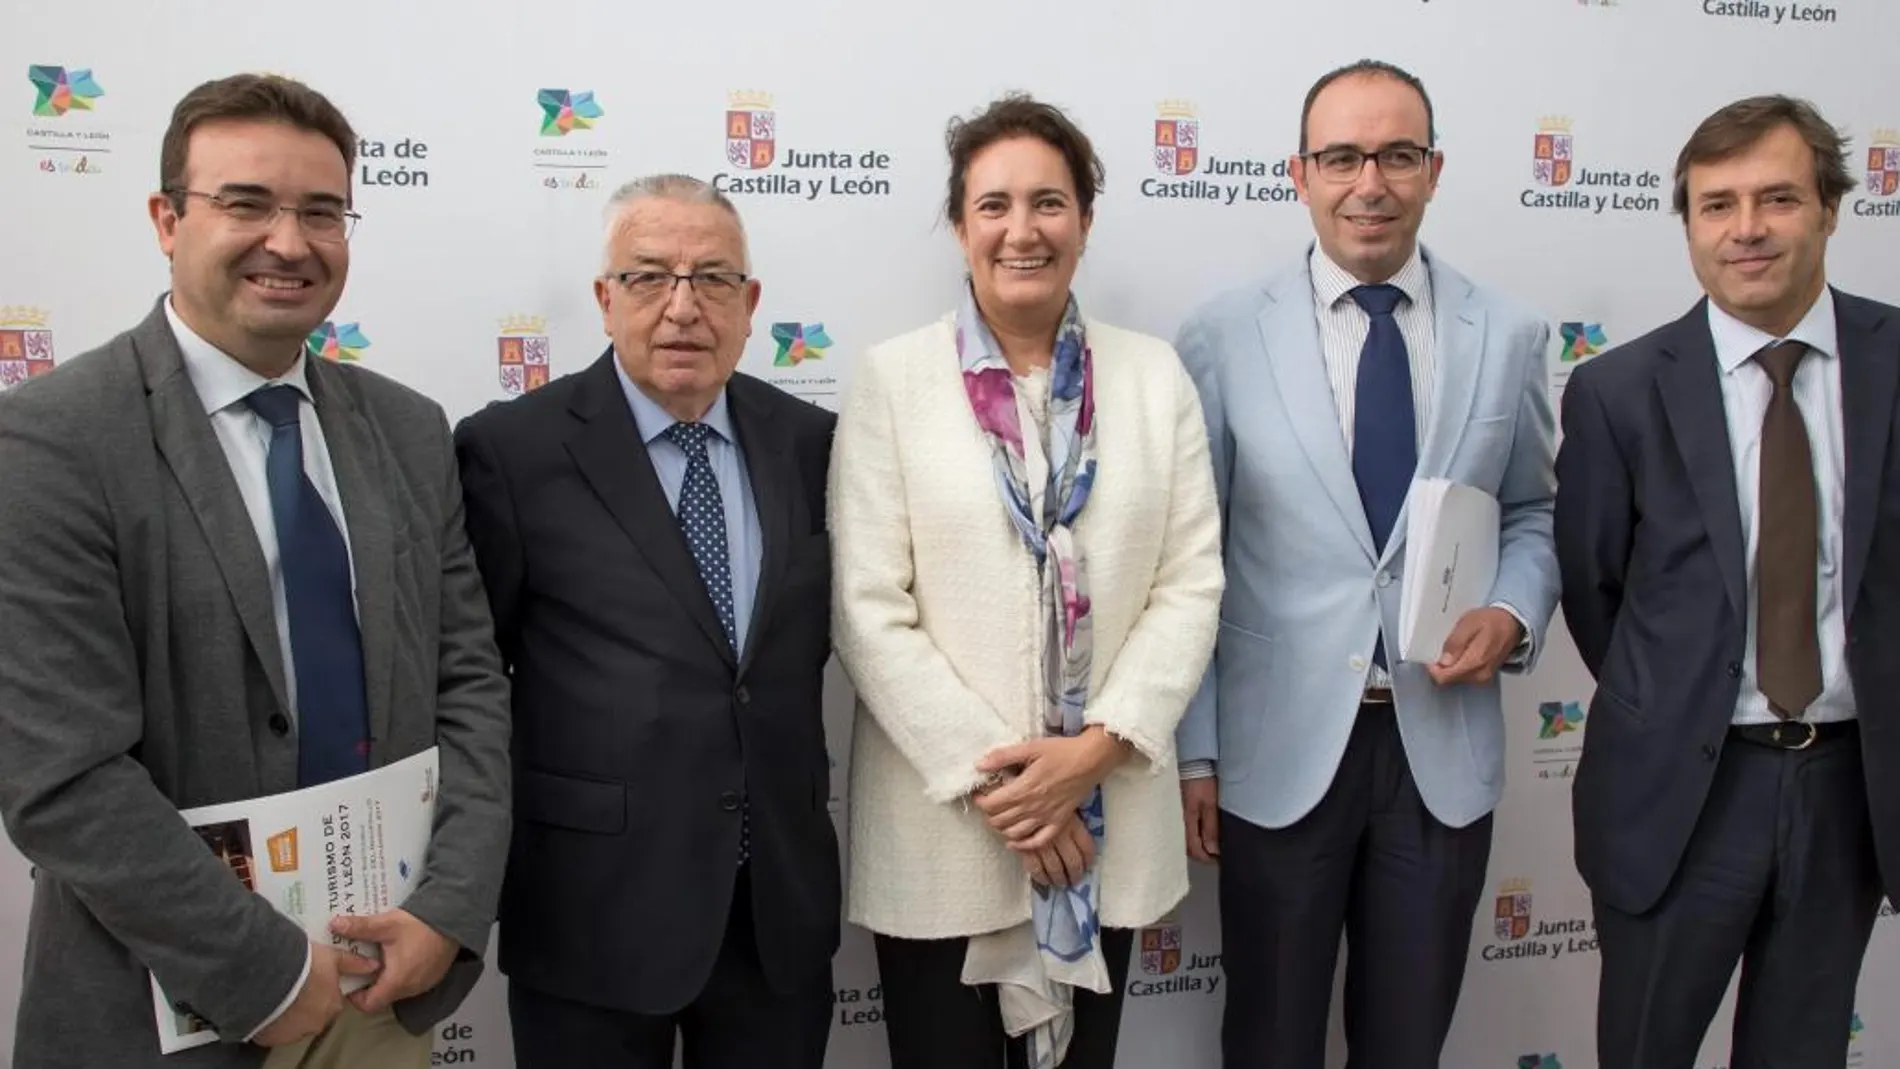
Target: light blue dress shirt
point(745, 546)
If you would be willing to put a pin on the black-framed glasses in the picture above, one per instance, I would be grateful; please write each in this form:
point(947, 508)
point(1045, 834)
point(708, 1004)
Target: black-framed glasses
point(320, 222)
point(713, 287)
point(1344, 163)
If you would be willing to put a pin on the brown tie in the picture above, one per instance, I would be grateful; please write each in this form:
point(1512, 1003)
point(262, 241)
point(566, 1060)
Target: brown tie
point(1788, 643)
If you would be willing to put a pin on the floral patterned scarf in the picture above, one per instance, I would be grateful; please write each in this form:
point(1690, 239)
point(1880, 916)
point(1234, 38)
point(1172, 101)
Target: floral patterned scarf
point(1036, 967)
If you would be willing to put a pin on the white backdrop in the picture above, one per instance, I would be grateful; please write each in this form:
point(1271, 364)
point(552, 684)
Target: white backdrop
point(481, 233)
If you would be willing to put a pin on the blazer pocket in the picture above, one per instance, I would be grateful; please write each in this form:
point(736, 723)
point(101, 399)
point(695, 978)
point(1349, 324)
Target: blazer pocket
point(1488, 428)
point(1229, 625)
point(1484, 451)
point(598, 806)
point(1623, 705)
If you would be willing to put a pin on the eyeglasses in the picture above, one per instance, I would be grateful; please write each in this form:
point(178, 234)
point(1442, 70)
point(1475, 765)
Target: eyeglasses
point(1345, 163)
point(320, 222)
point(712, 287)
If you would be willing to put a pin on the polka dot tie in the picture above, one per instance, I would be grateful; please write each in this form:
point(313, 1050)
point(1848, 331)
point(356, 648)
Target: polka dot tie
point(702, 517)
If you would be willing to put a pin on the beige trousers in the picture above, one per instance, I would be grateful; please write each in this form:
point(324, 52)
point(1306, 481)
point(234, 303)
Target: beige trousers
point(356, 1040)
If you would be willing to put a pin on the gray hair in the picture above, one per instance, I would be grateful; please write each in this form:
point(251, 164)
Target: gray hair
point(681, 188)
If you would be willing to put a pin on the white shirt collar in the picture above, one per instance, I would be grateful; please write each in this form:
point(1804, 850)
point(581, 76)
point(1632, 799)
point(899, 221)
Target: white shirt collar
point(1736, 341)
point(218, 377)
point(1332, 282)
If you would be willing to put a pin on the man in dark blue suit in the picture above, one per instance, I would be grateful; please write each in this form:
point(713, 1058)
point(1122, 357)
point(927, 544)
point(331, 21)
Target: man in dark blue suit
point(651, 536)
point(1728, 526)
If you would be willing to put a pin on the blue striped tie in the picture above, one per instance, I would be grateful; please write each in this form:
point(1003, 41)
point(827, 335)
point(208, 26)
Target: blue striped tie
point(326, 649)
point(1385, 425)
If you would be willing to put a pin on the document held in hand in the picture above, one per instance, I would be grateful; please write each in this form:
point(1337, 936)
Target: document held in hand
point(354, 846)
point(1451, 562)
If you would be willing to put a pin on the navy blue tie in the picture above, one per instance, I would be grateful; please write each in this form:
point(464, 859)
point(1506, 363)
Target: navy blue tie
point(702, 517)
point(326, 650)
point(1385, 426)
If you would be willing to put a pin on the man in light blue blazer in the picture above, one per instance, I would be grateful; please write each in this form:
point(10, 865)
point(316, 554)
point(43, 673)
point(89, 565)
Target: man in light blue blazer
point(1340, 788)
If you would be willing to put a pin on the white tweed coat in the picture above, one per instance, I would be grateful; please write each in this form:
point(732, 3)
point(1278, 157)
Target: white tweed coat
point(935, 621)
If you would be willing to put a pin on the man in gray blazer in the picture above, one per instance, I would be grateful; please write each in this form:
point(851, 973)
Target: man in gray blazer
point(234, 570)
point(1341, 787)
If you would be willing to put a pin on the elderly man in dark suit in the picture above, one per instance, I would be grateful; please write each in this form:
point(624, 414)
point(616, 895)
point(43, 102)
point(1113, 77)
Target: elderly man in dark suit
point(651, 532)
point(1727, 518)
point(234, 570)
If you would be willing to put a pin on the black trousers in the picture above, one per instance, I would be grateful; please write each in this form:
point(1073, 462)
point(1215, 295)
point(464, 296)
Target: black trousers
point(737, 1022)
point(1370, 860)
point(1779, 875)
point(935, 1021)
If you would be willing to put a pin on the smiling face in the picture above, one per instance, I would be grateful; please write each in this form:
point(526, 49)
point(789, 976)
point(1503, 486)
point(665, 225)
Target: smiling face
point(254, 290)
point(1758, 229)
point(678, 343)
point(1368, 223)
point(1022, 229)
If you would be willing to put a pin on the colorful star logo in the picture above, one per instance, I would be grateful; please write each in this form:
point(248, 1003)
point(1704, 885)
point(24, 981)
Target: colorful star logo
point(1559, 718)
point(564, 111)
point(1581, 340)
point(337, 341)
point(58, 90)
point(798, 342)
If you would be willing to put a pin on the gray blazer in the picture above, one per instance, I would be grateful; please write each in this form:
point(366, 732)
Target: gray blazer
point(141, 675)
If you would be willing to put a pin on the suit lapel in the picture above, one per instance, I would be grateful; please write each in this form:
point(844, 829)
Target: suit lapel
point(1458, 364)
point(191, 450)
point(1692, 399)
point(772, 471)
point(1870, 370)
point(1298, 362)
point(1458, 345)
point(360, 478)
point(611, 456)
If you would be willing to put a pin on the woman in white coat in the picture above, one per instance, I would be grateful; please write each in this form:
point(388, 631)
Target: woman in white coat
point(1026, 552)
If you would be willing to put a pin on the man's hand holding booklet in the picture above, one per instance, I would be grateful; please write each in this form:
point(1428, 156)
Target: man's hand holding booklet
point(354, 847)
point(1451, 563)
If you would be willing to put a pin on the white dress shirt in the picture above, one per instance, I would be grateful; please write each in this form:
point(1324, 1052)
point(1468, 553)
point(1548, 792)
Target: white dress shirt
point(1746, 389)
point(1343, 327)
point(222, 384)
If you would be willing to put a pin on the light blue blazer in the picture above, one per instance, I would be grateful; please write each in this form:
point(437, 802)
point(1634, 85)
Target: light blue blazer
point(1306, 595)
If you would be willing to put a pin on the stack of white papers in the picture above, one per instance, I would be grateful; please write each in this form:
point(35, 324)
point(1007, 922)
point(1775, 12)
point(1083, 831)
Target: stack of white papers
point(1451, 562)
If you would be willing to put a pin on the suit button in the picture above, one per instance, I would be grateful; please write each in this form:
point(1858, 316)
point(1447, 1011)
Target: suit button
point(729, 801)
point(1709, 751)
point(1383, 579)
point(743, 695)
point(279, 725)
point(1357, 663)
point(1735, 669)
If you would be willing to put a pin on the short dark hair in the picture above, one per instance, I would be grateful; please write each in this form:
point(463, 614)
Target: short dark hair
point(265, 97)
point(1737, 127)
point(1019, 115)
point(1375, 68)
